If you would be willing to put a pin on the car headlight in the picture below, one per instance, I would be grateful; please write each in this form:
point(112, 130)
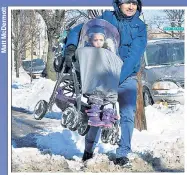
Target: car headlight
point(164, 85)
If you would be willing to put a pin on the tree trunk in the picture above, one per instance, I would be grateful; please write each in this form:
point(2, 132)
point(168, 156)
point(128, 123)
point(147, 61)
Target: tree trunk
point(32, 49)
point(51, 74)
point(16, 58)
point(16, 52)
point(54, 21)
point(140, 119)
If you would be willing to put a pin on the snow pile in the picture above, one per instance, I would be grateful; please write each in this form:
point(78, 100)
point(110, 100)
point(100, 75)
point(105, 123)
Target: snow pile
point(30, 93)
point(163, 141)
point(33, 161)
point(100, 163)
point(24, 78)
point(163, 120)
point(159, 148)
point(60, 144)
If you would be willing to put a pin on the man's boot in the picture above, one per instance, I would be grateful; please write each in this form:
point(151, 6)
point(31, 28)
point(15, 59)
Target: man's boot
point(86, 156)
point(122, 161)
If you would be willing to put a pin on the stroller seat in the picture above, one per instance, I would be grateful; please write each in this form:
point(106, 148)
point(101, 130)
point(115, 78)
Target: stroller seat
point(95, 76)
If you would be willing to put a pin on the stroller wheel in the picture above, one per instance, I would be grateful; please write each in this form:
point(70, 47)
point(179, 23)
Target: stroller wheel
point(40, 109)
point(66, 117)
point(83, 128)
point(72, 126)
point(114, 139)
point(115, 134)
point(71, 119)
point(63, 120)
point(106, 135)
point(110, 135)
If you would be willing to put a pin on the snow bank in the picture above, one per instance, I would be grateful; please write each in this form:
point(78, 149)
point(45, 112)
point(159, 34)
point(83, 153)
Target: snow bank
point(162, 143)
point(28, 94)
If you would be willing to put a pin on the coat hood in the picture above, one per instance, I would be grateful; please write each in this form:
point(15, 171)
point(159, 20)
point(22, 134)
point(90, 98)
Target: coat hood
point(120, 15)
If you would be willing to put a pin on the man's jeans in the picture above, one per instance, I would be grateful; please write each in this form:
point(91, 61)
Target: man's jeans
point(127, 94)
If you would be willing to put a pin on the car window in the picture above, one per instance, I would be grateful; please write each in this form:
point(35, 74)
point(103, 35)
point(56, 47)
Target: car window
point(165, 54)
point(26, 64)
point(153, 54)
point(175, 53)
point(37, 62)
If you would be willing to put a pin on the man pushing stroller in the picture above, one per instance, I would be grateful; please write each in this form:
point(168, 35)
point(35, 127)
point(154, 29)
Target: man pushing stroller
point(133, 40)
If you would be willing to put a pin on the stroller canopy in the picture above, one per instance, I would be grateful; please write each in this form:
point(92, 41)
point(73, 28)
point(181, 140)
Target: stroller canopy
point(110, 33)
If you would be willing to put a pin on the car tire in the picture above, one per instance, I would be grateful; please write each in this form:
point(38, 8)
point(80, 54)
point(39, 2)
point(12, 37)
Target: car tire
point(147, 98)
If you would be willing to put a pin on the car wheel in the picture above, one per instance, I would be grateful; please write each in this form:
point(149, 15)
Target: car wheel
point(147, 98)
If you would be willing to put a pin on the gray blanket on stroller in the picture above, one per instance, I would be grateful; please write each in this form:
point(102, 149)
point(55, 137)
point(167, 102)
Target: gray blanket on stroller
point(100, 72)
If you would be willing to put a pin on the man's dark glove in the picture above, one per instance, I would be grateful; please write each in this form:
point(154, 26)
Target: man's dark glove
point(69, 55)
point(58, 63)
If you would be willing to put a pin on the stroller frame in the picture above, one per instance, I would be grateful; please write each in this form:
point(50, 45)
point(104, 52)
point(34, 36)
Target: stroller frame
point(74, 116)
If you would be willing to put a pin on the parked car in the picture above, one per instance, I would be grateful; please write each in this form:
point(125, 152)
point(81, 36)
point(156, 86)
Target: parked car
point(37, 67)
point(163, 74)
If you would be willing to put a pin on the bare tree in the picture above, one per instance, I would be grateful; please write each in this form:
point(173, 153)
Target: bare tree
point(176, 19)
point(79, 15)
point(54, 20)
point(15, 39)
point(82, 15)
point(94, 13)
point(34, 32)
point(24, 34)
point(169, 18)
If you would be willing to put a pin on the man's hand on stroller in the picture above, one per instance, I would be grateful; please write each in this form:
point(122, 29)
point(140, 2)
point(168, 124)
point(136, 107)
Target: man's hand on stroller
point(69, 55)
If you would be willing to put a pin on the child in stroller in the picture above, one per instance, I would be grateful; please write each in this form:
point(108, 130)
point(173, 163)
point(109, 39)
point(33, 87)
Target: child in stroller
point(97, 117)
point(97, 39)
point(99, 68)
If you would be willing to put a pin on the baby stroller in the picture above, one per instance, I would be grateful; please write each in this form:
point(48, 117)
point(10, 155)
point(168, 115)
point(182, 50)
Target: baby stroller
point(90, 86)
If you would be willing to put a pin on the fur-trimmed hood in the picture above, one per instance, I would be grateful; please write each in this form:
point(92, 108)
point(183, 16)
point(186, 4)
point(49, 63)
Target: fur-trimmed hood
point(118, 12)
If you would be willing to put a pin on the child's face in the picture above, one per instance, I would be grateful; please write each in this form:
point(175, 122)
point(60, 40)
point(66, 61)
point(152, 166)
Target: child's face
point(98, 40)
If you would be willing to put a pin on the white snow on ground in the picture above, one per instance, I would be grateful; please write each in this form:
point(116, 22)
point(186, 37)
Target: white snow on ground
point(163, 139)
